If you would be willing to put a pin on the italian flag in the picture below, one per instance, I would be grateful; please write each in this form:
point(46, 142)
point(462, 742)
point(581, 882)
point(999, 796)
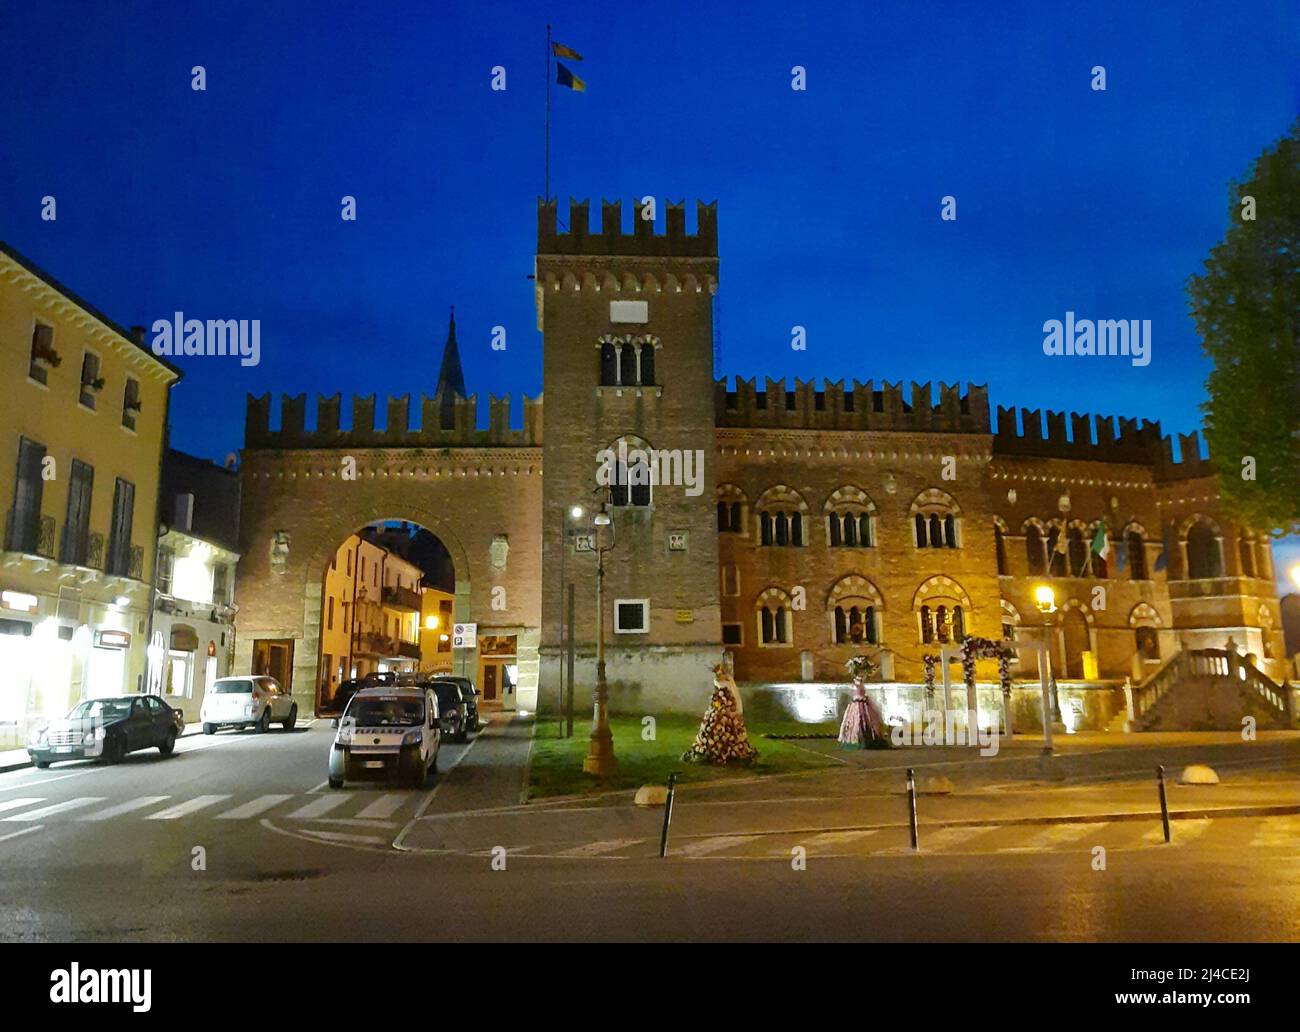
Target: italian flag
point(1101, 541)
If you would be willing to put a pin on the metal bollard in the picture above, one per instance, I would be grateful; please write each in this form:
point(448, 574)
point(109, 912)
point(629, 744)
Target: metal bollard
point(911, 806)
point(1164, 801)
point(668, 814)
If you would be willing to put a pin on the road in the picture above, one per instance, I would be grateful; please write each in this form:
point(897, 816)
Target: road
point(236, 838)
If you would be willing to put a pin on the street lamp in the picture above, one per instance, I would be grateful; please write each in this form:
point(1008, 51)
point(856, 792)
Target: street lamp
point(600, 753)
point(1045, 600)
point(575, 513)
point(1295, 575)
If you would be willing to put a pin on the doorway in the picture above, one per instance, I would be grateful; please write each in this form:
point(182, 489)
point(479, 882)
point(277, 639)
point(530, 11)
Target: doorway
point(497, 670)
point(273, 657)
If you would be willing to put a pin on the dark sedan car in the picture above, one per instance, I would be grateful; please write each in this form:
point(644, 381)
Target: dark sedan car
point(107, 729)
point(469, 697)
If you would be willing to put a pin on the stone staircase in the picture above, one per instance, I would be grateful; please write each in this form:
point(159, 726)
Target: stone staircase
point(1211, 690)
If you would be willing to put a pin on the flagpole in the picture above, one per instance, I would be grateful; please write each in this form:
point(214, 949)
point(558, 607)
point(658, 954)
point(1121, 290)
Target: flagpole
point(546, 197)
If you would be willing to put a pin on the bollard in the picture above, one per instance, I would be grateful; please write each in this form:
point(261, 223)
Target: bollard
point(1164, 802)
point(668, 814)
point(911, 806)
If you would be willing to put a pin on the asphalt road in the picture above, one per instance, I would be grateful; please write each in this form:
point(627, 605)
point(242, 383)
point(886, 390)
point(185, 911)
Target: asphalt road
point(113, 853)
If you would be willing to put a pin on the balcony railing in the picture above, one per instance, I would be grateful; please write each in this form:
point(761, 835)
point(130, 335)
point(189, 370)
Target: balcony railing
point(401, 598)
point(381, 646)
point(31, 537)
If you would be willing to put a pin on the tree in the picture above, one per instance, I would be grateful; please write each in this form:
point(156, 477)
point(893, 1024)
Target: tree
point(1247, 310)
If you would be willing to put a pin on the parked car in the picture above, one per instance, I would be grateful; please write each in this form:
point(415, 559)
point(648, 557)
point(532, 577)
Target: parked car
point(346, 690)
point(469, 692)
point(387, 732)
point(453, 707)
point(107, 729)
point(255, 701)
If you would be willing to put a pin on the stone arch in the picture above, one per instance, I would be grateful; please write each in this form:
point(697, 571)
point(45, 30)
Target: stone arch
point(1144, 615)
point(733, 508)
point(940, 586)
point(1010, 614)
point(932, 499)
point(854, 585)
point(780, 494)
point(848, 496)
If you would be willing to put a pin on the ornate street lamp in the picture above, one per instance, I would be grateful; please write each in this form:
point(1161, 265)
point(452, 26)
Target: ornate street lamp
point(600, 753)
point(1045, 600)
point(575, 513)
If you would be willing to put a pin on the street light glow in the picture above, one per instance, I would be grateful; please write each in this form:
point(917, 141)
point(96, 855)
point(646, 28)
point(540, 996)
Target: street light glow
point(576, 512)
point(1295, 574)
point(1045, 598)
point(431, 622)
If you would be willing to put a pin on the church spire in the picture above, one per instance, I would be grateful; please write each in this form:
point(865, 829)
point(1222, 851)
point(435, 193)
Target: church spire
point(451, 377)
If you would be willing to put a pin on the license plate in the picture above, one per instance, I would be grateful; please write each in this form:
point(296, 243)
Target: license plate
point(374, 764)
point(63, 748)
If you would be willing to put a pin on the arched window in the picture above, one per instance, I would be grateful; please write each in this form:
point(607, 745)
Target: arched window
point(627, 372)
point(935, 515)
point(647, 364)
point(850, 518)
point(1054, 564)
point(628, 466)
point(780, 517)
point(1000, 550)
point(855, 626)
point(1204, 557)
point(927, 625)
point(853, 605)
point(1035, 553)
point(774, 627)
point(942, 607)
point(866, 531)
point(1137, 555)
point(608, 364)
point(834, 531)
point(1078, 551)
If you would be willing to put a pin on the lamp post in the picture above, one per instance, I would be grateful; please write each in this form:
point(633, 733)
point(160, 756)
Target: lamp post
point(1045, 600)
point(600, 753)
point(574, 512)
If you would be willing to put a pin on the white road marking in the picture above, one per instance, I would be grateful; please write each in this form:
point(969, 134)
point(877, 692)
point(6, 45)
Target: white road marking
point(1058, 835)
point(24, 831)
point(599, 848)
point(127, 807)
point(339, 836)
point(948, 838)
point(40, 781)
point(318, 808)
point(383, 807)
point(1181, 832)
point(252, 809)
point(186, 808)
point(18, 804)
point(53, 808)
point(709, 845)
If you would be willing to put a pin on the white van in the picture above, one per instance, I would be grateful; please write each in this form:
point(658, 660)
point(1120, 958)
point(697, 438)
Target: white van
point(388, 732)
point(254, 701)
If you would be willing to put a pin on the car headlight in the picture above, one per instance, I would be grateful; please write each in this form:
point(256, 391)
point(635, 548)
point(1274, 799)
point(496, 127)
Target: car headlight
point(37, 736)
point(413, 738)
point(344, 737)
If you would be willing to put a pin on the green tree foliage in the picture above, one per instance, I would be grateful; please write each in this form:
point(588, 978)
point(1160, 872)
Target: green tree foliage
point(1247, 310)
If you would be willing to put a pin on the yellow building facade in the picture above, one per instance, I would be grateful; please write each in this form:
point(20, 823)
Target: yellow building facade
point(83, 433)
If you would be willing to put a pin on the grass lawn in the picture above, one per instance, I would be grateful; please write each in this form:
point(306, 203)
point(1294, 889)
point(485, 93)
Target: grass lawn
point(557, 762)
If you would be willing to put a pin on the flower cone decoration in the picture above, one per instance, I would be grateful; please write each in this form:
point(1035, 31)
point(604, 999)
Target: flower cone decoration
point(863, 726)
point(722, 737)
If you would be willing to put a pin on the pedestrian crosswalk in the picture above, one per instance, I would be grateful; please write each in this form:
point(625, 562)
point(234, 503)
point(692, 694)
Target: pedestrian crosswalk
point(372, 809)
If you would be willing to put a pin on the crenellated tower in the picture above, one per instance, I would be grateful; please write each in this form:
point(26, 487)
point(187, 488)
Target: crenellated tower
point(626, 321)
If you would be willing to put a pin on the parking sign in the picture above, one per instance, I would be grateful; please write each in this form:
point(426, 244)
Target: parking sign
point(464, 636)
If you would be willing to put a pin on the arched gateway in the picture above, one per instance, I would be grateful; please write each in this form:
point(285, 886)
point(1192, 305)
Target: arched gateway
point(304, 491)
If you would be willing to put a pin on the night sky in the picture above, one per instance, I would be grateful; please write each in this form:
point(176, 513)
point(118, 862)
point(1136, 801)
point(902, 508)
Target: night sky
point(225, 203)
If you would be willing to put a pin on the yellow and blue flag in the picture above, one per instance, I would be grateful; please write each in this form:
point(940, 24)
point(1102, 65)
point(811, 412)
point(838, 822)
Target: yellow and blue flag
point(560, 50)
point(566, 78)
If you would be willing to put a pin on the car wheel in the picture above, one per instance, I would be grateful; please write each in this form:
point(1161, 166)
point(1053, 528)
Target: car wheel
point(168, 744)
point(263, 724)
point(291, 719)
point(209, 729)
point(42, 764)
point(114, 750)
point(336, 782)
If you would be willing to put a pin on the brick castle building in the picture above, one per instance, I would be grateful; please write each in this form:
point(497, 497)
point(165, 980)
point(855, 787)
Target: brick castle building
point(823, 521)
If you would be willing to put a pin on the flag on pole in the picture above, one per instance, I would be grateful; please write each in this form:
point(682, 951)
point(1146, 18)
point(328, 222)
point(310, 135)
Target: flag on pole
point(564, 77)
point(1101, 541)
point(560, 50)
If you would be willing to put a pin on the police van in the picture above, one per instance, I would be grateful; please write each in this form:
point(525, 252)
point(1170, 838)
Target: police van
point(387, 733)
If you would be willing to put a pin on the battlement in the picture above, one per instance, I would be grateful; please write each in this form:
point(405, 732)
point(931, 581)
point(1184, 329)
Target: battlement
point(643, 241)
point(863, 406)
point(462, 423)
point(1095, 438)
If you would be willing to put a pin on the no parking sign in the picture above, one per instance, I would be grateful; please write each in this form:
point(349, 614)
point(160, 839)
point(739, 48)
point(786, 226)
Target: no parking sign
point(464, 636)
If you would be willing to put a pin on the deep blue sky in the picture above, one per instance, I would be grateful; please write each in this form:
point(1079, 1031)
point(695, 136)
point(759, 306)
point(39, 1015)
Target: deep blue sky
point(225, 204)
